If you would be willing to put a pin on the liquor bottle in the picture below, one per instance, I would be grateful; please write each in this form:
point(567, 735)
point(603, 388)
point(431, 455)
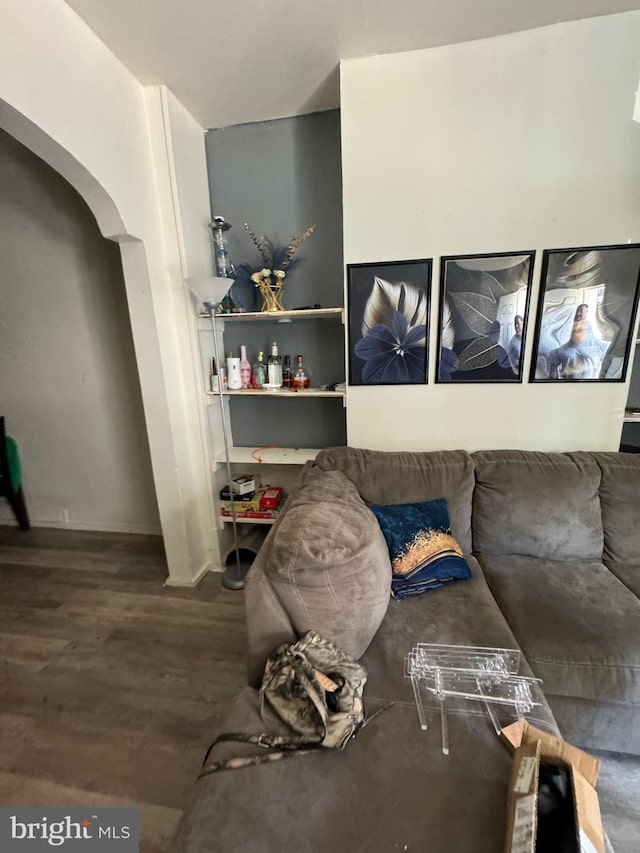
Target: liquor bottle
point(300, 378)
point(287, 375)
point(259, 376)
point(215, 379)
point(245, 368)
point(274, 368)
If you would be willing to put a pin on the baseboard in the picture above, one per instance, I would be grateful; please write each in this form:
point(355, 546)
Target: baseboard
point(100, 527)
point(204, 571)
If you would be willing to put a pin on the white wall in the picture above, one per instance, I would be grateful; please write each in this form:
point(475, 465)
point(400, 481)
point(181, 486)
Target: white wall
point(69, 386)
point(525, 141)
point(67, 98)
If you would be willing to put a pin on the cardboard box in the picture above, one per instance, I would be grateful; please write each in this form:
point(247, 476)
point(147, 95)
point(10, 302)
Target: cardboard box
point(243, 484)
point(271, 498)
point(532, 748)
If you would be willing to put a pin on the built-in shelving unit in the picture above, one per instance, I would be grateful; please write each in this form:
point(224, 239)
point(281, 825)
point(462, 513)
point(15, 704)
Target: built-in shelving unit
point(252, 415)
point(630, 440)
point(631, 417)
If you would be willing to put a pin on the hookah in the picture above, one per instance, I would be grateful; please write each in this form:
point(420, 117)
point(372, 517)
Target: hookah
point(223, 264)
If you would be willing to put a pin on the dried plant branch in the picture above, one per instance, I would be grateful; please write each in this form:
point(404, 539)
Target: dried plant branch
point(293, 245)
point(263, 245)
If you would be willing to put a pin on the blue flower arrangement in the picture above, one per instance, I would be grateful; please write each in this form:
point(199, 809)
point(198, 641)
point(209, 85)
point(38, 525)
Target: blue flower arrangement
point(267, 277)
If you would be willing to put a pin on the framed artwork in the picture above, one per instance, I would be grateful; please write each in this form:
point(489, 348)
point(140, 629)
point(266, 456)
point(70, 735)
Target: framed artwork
point(388, 315)
point(586, 314)
point(484, 305)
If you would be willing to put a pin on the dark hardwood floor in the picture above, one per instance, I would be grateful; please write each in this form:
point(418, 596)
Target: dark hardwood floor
point(110, 683)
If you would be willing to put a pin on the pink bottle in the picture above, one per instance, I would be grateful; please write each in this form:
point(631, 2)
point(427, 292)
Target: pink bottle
point(245, 368)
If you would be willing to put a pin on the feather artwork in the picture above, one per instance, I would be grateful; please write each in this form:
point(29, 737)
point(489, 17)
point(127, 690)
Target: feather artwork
point(448, 337)
point(389, 296)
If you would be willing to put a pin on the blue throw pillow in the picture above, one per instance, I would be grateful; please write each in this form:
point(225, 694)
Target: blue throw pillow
point(424, 554)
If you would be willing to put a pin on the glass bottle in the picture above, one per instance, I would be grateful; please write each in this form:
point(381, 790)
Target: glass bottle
point(287, 375)
point(259, 372)
point(300, 378)
point(274, 367)
point(215, 379)
point(234, 382)
point(245, 368)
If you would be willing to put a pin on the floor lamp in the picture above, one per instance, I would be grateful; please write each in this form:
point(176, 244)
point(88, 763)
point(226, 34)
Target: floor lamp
point(211, 291)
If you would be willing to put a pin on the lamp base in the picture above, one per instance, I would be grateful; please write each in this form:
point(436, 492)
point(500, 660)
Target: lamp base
point(234, 577)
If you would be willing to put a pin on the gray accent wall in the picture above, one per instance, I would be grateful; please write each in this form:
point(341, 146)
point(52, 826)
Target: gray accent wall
point(280, 177)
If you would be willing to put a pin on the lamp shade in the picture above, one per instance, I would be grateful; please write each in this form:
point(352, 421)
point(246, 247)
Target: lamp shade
point(210, 290)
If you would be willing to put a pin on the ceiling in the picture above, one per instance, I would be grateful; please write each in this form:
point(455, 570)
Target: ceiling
point(241, 61)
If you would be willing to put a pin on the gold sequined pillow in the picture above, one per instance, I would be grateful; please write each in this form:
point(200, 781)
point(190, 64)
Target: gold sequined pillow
point(424, 554)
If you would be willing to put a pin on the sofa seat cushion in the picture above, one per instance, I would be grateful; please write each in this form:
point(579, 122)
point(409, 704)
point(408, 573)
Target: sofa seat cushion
point(577, 624)
point(598, 725)
point(457, 614)
point(384, 477)
point(328, 562)
point(540, 504)
point(628, 573)
point(388, 790)
point(620, 500)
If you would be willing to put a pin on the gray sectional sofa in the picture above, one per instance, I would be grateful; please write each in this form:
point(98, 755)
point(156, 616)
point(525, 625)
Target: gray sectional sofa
point(553, 542)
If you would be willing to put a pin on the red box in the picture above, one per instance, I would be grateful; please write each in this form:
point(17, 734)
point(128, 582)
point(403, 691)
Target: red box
point(271, 498)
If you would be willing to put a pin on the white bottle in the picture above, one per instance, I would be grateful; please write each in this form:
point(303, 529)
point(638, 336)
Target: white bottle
point(274, 367)
point(234, 380)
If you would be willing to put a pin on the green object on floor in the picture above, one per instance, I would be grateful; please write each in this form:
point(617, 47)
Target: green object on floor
point(15, 472)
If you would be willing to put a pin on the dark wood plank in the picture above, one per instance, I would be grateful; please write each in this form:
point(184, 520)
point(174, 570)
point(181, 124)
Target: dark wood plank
point(111, 683)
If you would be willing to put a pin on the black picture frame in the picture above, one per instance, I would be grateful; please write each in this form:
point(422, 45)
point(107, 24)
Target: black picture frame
point(388, 306)
point(587, 309)
point(483, 316)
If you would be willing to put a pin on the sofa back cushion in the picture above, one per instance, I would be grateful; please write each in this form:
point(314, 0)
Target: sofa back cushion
point(329, 564)
point(385, 477)
point(620, 501)
point(540, 504)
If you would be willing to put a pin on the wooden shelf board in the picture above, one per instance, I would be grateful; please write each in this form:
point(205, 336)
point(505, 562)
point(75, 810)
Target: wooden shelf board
point(226, 519)
point(270, 455)
point(276, 315)
point(308, 393)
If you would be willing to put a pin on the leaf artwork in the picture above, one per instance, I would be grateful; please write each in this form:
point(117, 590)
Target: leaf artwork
point(477, 291)
point(478, 312)
point(389, 296)
point(480, 353)
point(487, 285)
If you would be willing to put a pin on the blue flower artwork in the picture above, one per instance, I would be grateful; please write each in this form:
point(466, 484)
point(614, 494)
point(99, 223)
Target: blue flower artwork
point(393, 354)
point(388, 312)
